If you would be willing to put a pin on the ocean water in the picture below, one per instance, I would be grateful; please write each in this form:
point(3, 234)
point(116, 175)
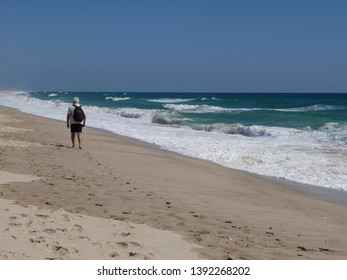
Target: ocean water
point(297, 137)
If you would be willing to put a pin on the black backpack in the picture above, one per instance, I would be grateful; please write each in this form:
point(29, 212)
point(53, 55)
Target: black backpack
point(78, 114)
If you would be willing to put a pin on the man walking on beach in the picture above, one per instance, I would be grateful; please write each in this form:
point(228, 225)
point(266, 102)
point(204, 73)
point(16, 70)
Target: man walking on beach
point(75, 120)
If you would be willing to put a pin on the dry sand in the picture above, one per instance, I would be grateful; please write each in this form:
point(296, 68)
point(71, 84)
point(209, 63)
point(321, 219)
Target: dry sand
point(122, 199)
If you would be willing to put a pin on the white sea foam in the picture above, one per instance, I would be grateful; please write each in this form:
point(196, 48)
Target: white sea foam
point(313, 108)
point(170, 100)
point(168, 118)
point(336, 132)
point(309, 156)
point(249, 131)
point(186, 108)
point(116, 99)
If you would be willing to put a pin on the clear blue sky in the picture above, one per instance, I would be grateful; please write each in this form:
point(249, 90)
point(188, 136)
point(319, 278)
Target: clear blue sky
point(176, 45)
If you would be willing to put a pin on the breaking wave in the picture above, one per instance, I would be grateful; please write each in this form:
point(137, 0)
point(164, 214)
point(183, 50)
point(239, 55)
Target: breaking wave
point(186, 108)
point(116, 99)
point(167, 118)
point(248, 131)
point(312, 108)
point(170, 100)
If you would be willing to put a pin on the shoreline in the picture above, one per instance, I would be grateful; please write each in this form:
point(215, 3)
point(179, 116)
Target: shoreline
point(328, 194)
point(254, 155)
point(229, 214)
point(324, 193)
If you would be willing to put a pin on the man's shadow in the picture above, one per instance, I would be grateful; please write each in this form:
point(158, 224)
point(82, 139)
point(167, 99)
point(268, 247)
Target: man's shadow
point(62, 146)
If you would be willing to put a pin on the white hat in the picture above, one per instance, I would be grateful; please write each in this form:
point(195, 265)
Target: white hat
point(75, 100)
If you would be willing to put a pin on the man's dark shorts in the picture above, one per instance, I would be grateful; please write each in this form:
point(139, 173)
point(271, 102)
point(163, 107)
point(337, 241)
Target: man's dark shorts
point(76, 127)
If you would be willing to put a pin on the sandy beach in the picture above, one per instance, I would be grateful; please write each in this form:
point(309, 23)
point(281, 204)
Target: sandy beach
point(118, 198)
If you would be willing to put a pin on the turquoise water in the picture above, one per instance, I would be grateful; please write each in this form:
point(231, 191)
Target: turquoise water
point(289, 110)
point(294, 136)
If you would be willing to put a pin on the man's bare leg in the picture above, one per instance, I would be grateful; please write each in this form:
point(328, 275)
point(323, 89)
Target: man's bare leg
point(73, 136)
point(79, 136)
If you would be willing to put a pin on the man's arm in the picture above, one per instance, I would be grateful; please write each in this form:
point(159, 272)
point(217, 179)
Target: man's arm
point(85, 119)
point(68, 118)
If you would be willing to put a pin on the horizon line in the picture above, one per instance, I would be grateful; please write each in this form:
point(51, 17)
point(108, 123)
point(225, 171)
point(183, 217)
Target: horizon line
point(170, 91)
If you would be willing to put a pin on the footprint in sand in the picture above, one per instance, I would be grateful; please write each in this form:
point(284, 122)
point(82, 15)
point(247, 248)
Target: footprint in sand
point(39, 240)
point(135, 244)
point(60, 250)
point(42, 216)
point(113, 254)
point(78, 228)
point(118, 218)
point(14, 222)
point(203, 232)
point(50, 230)
point(83, 237)
point(122, 244)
